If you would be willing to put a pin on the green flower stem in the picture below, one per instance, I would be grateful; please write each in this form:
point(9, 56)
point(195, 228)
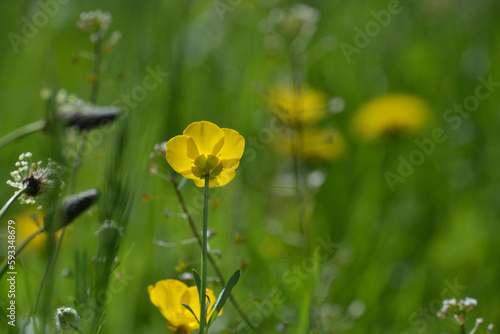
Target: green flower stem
point(97, 70)
point(296, 151)
point(304, 321)
point(22, 131)
point(462, 329)
point(78, 162)
point(204, 251)
point(19, 249)
point(211, 259)
point(11, 200)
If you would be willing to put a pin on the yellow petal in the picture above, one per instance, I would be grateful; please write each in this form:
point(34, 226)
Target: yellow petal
point(230, 164)
point(166, 296)
point(191, 298)
point(212, 299)
point(222, 179)
point(207, 136)
point(234, 145)
point(199, 182)
point(181, 152)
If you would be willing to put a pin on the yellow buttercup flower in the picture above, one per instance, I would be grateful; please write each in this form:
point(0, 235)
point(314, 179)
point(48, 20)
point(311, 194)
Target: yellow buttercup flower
point(169, 295)
point(316, 145)
point(26, 224)
point(391, 114)
point(322, 145)
point(297, 107)
point(205, 149)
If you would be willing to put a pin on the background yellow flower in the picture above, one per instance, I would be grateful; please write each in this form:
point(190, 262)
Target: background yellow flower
point(27, 223)
point(204, 148)
point(395, 114)
point(297, 107)
point(316, 145)
point(169, 295)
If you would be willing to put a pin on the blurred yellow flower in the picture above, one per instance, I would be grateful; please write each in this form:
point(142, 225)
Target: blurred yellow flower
point(394, 114)
point(297, 107)
point(27, 223)
point(203, 149)
point(316, 145)
point(169, 295)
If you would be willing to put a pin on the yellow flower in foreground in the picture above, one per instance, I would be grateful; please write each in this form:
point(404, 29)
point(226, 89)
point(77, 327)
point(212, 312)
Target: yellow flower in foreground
point(391, 114)
point(297, 107)
point(315, 145)
point(169, 295)
point(203, 149)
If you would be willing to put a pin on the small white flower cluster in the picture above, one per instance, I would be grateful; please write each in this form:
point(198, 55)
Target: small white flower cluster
point(97, 24)
point(20, 174)
point(459, 310)
point(32, 176)
point(298, 23)
point(299, 19)
point(94, 21)
point(453, 306)
point(62, 97)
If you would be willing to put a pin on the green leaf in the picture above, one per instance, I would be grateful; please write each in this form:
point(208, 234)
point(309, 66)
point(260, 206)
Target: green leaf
point(208, 302)
point(190, 310)
point(224, 295)
point(197, 280)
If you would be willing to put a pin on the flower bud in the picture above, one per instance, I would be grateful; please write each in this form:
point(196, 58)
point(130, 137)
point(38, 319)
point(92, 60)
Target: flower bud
point(88, 117)
point(75, 205)
point(67, 319)
point(109, 232)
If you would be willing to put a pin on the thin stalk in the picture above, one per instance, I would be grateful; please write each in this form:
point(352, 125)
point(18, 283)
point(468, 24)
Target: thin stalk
point(77, 162)
point(296, 147)
point(211, 259)
point(204, 251)
point(11, 200)
point(20, 249)
point(47, 271)
point(462, 329)
point(22, 131)
point(304, 322)
point(97, 70)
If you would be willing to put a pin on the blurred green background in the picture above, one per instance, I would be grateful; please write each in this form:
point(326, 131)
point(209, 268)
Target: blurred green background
point(398, 251)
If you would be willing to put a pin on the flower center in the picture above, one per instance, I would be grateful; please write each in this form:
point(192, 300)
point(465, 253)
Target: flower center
point(207, 165)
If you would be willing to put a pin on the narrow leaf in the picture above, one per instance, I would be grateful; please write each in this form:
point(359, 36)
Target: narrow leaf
point(190, 310)
point(224, 295)
point(197, 280)
point(208, 302)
